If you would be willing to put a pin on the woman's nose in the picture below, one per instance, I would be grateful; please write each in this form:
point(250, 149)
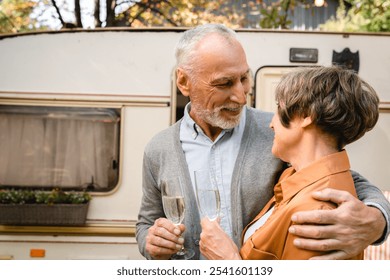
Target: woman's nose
point(271, 124)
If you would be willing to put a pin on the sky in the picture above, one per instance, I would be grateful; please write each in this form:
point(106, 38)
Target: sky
point(48, 14)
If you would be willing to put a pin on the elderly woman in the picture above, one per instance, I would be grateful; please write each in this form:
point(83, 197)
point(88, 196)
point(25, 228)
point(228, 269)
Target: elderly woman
point(320, 110)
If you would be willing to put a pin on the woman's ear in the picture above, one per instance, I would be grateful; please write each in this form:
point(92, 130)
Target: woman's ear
point(306, 122)
point(182, 82)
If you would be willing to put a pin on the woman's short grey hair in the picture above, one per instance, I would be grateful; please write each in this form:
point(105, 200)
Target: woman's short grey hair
point(184, 50)
point(339, 102)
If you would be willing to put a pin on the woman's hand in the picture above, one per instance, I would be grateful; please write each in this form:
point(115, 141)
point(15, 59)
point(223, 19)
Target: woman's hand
point(215, 244)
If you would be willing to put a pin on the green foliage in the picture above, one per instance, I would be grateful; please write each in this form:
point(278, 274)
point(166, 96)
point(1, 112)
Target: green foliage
point(181, 13)
point(275, 15)
point(56, 196)
point(15, 16)
point(363, 16)
point(376, 13)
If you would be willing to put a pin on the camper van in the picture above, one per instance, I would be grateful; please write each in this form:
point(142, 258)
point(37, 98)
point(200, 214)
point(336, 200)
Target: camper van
point(77, 108)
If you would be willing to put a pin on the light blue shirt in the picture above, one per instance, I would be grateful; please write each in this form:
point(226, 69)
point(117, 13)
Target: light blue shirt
point(219, 155)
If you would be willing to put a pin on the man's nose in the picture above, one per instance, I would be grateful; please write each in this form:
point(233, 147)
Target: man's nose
point(239, 94)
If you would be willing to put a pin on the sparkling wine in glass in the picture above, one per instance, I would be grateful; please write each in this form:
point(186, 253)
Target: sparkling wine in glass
point(207, 194)
point(174, 209)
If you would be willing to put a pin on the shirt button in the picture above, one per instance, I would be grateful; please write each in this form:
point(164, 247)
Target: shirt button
point(197, 242)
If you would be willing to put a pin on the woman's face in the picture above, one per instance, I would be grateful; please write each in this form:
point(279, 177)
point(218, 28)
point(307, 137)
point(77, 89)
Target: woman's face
point(286, 139)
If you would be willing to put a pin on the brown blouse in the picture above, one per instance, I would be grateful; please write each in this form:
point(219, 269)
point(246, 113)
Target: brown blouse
point(292, 193)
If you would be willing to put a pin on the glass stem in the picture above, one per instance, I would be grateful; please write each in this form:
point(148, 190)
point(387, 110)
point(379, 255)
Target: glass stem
point(182, 250)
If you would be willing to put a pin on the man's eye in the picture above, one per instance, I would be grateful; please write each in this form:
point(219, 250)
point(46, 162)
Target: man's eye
point(227, 84)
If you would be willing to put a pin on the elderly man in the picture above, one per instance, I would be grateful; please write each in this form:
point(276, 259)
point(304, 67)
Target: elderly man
point(219, 132)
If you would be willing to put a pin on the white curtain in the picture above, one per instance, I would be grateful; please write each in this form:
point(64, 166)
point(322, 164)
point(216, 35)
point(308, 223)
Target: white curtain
point(58, 149)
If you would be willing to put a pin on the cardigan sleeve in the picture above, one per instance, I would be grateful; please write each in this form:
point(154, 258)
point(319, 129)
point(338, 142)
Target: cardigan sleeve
point(373, 196)
point(151, 207)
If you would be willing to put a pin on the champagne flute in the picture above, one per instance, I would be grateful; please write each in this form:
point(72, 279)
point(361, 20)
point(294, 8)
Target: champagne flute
point(207, 194)
point(174, 209)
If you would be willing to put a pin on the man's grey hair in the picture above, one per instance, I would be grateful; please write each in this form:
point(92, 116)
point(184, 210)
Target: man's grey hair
point(184, 51)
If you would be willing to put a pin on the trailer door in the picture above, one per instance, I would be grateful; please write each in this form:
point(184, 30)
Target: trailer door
point(266, 80)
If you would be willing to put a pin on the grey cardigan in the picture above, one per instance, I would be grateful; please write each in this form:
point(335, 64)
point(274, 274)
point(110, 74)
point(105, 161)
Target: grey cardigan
point(255, 174)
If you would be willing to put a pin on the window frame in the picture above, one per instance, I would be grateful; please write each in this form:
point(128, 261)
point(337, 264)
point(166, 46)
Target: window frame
point(117, 108)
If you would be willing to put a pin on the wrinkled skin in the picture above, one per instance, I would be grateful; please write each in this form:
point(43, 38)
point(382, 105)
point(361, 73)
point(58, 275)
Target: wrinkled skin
point(164, 239)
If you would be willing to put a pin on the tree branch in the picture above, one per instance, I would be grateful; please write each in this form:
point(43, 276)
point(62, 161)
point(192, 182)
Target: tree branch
point(58, 12)
point(164, 16)
point(7, 18)
point(152, 9)
point(96, 14)
point(77, 12)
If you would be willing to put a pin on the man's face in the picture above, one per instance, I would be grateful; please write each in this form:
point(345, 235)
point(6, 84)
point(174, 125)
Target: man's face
point(221, 82)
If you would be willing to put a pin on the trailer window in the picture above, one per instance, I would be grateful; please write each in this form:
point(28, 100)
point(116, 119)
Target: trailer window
point(66, 147)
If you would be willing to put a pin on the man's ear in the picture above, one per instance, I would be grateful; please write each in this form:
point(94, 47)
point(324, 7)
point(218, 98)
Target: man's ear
point(183, 82)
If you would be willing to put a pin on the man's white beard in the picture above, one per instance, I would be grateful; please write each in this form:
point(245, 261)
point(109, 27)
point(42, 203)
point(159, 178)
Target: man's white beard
point(214, 119)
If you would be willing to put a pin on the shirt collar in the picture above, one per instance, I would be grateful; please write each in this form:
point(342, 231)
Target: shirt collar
point(292, 182)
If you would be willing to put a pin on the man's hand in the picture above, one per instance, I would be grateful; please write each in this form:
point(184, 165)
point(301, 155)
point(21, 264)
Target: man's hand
point(215, 244)
point(163, 239)
point(344, 232)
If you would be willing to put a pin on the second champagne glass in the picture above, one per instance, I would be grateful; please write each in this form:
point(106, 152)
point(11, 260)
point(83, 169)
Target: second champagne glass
point(174, 209)
point(207, 194)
